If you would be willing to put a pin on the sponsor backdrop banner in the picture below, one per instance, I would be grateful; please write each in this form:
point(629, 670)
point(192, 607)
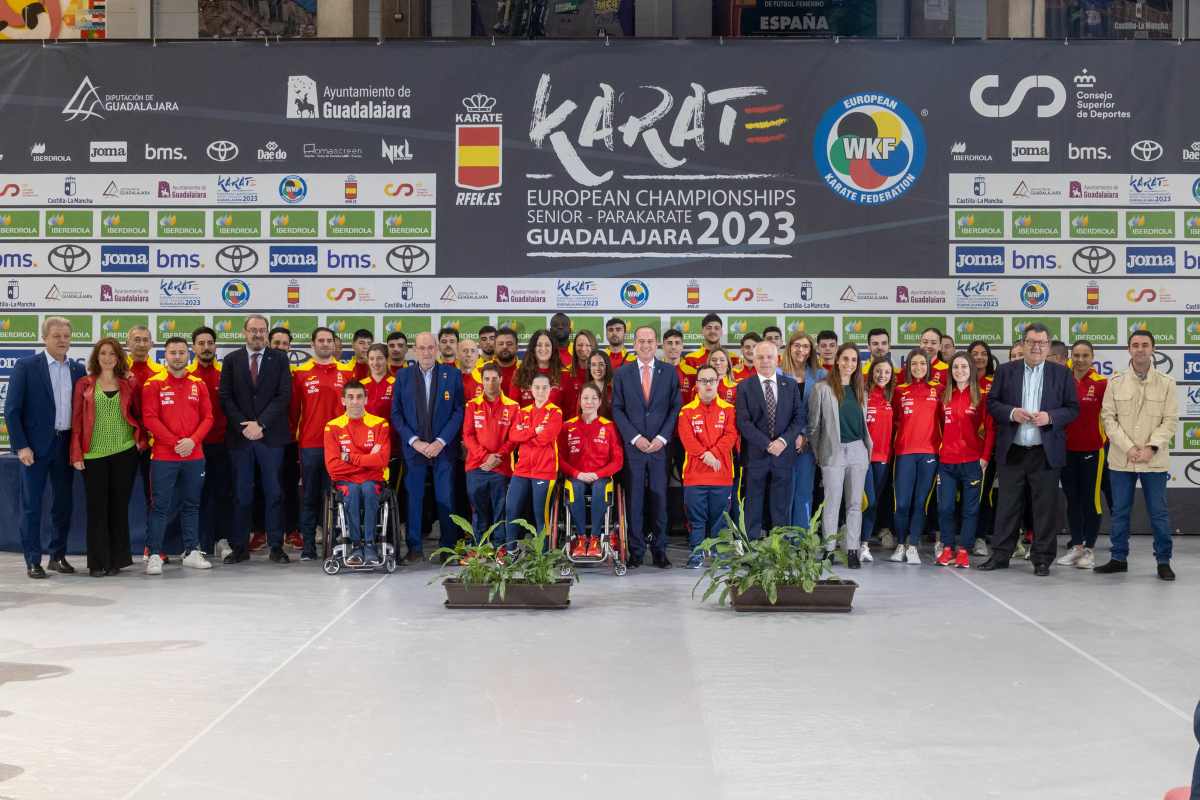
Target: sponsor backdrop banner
point(975, 186)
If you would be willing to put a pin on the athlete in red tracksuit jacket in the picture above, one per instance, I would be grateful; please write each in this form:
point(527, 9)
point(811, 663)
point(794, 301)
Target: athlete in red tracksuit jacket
point(917, 421)
point(357, 447)
point(487, 422)
point(591, 452)
point(535, 463)
point(708, 433)
point(968, 437)
point(880, 418)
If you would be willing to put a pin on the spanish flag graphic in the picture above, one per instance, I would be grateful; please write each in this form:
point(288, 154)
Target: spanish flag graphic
point(477, 156)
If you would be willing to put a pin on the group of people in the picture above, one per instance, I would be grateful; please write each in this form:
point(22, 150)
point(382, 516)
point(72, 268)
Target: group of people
point(763, 430)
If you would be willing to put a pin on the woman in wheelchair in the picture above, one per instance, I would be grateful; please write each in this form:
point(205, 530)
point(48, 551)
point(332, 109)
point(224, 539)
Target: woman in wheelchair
point(535, 465)
point(591, 454)
point(357, 448)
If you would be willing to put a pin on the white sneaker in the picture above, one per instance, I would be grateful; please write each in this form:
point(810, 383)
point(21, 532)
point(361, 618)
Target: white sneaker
point(223, 549)
point(1087, 559)
point(1022, 551)
point(864, 553)
point(887, 539)
point(912, 556)
point(196, 560)
point(154, 565)
point(898, 556)
point(1071, 557)
point(981, 548)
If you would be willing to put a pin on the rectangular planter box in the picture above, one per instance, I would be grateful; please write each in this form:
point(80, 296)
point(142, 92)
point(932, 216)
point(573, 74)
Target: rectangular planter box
point(516, 595)
point(825, 596)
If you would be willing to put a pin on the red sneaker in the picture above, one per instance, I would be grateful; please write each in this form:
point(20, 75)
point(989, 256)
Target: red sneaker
point(294, 540)
point(946, 557)
point(593, 547)
point(578, 546)
point(962, 559)
point(257, 542)
point(500, 554)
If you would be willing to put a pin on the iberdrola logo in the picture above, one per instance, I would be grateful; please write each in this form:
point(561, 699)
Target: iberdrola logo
point(869, 148)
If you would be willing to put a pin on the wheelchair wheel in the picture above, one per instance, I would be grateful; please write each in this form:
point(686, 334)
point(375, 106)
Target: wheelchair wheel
point(332, 566)
point(552, 523)
point(389, 564)
point(328, 510)
point(620, 569)
point(621, 531)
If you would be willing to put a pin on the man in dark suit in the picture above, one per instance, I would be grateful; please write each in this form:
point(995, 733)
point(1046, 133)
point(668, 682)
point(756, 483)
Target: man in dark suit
point(645, 406)
point(770, 417)
point(38, 412)
point(1032, 402)
point(427, 414)
point(256, 388)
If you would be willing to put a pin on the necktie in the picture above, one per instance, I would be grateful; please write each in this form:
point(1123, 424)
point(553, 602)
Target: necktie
point(646, 383)
point(769, 390)
point(254, 368)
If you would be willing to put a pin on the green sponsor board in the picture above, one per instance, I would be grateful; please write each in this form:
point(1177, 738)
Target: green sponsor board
point(119, 325)
point(350, 224)
point(70, 224)
point(408, 224)
point(294, 224)
point(1163, 329)
point(1088, 224)
point(633, 323)
point(812, 325)
point(1017, 329)
point(124, 224)
point(465, 325)
point(344, 326)
point(974, 224)
point(1191, 436)
point(1037, 224)
point(690, 327)
point(168, 325)
point(410, 325)
point(593, 324)
point(230, 224)
point(908, 329)
point(82, 329)
point(977, 329)
point(1191, 330)
point(19, 328)
point(300, 326)
point(3, 430)
point(522, 325)
point(1150, 224)
point(180, 224)
point(228, 328)
point(1097, 330)
point(19, 225)
point(738, 325)
point(1191, 224)
point(855, 329)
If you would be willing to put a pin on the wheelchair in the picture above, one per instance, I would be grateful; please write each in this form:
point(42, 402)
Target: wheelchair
point(337, 545)
point(614, 544)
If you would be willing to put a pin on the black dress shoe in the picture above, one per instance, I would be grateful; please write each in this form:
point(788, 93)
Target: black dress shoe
point(60, 565)
point(1165, 573)
point(97, 573)
point(634, 562)
point(237, 556)
point(852, 560)
point(278, 556)
point(1113, 566)
point(993, 563)
point(662, 562)
point(112, 571)
point(36, 572)
point(1041, 570)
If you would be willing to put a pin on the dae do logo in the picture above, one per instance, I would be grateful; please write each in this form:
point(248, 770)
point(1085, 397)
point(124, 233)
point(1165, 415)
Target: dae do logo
point(869, 148)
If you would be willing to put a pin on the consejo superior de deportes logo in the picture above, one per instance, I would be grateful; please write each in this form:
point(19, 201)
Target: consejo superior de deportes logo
point(869, 148)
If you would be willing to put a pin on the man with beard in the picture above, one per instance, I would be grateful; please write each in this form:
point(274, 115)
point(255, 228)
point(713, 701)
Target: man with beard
point(506, 358)
point(560, 329)
point(397, 347)
point(487, 342)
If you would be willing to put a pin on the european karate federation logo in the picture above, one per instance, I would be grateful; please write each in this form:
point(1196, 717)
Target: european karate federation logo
point(869, 148)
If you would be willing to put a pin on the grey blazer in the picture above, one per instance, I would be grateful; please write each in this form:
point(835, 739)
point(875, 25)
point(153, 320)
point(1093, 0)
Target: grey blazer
point(824, 426)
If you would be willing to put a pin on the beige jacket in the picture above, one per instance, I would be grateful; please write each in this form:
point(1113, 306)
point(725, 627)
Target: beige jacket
point(1139, 413)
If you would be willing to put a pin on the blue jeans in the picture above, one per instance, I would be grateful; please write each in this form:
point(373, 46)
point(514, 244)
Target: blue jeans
point(360, 505)
point(577, 494)
point(270, 464)
point(520, 491)
point(912, 481)
point(171, 483)
point(416, 470)
point(486, 492)
point(1154, 492)
point(215, 499)
point(315, 479)
point(956, 481)
point(878, 478)
point(54, 467)
point(802, 488)
point(706, 507)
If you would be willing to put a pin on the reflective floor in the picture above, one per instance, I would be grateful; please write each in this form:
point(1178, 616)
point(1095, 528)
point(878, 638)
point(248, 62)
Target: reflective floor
point(266, 681)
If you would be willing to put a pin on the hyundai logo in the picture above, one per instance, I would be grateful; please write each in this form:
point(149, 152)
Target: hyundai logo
point(69, 258)
point(1146, 150)
point(1094, 260)
point(237, 258)
point(408, 258)
point(222, 150)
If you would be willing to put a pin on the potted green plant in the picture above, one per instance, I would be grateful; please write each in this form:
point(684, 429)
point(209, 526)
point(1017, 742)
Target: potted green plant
point(788, 569)
point(489, 577)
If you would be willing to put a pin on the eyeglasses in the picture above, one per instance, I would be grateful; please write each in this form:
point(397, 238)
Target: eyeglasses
point(1036, 345)
point(706, 381)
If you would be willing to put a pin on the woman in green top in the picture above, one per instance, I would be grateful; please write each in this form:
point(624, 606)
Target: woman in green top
point(837, 428)
point(105, 439)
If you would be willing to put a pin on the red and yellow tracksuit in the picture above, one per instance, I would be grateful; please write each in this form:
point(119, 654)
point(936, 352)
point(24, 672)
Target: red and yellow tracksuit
point(880, 419)
point(687, 381)
point(917, 423)
point(589, 447)
point(174, 409)
point(618, 358)
point(535, 465)
point(316, 399)
point(472, 384)
point(142, 371)
point(487, 425)
point(968, 436)
point(727, 390)
point(1083, 474)
point(560, 394)
point(379, 395)
point(707, 428)
point(211, 376)
point(359, 475)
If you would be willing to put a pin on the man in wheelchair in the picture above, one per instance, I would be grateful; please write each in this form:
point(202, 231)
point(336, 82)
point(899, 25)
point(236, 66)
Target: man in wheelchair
point(357, 448)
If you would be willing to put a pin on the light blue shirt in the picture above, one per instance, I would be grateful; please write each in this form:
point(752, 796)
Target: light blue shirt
point(1028, 434)
point(427, 376)
point(60, 386)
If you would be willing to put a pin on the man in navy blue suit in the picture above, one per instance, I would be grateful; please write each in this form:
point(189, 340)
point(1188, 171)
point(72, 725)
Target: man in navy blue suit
point(770, 417)
point(1032, 402)
point(38, 412)
point(427, 414)
point(645, 407)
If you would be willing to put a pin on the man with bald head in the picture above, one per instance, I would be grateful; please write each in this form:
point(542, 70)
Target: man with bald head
point(773, 422)
point(427, 415)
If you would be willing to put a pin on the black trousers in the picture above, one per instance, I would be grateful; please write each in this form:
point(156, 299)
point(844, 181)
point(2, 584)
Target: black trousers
point(1081, 483)
point(1027, 469)
point(108, 484)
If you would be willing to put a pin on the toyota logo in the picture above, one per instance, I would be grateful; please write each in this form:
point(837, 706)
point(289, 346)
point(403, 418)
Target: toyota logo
point(1192, 471)
point(1094, 260)
point(237, 258)
point(408, 258)
point(222, 150)
point(1163, 362)
point(1146, 150)
point(297, 356)
point(69, 258)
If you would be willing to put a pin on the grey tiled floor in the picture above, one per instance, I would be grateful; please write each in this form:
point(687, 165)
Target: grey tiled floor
point(261, 681)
